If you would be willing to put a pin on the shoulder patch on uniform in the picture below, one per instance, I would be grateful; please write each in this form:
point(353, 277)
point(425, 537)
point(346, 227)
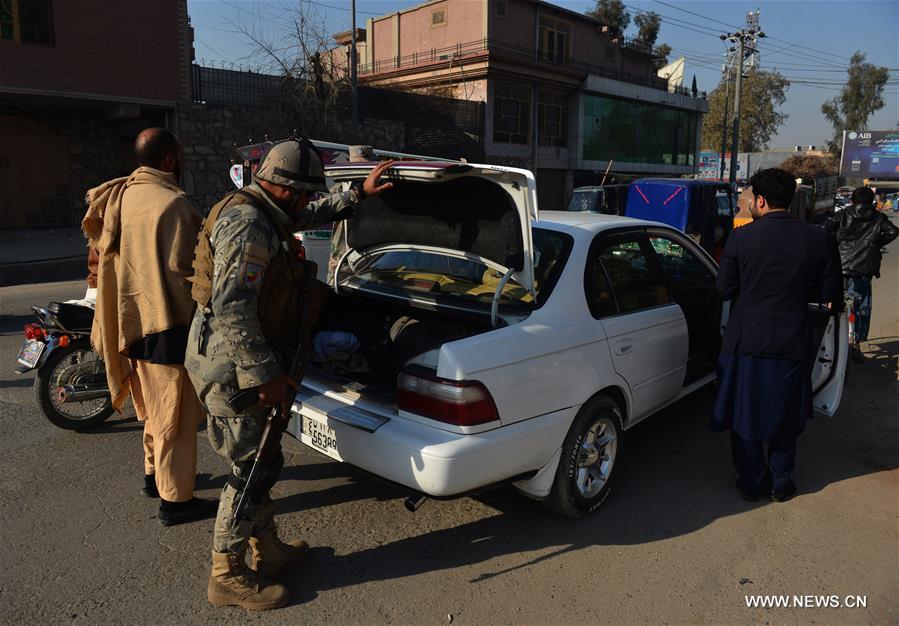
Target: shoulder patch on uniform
point(251, 277)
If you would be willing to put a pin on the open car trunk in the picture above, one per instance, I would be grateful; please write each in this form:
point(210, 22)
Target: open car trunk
point(390, 336)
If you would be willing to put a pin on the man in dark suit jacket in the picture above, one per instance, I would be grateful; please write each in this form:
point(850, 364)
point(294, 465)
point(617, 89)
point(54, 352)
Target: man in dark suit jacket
point(771, 269)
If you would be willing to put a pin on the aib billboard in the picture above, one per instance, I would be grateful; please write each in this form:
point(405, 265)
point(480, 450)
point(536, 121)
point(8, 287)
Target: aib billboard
point(870, 154)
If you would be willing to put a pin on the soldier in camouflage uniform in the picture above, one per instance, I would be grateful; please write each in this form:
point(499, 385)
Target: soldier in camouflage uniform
point(244, 335)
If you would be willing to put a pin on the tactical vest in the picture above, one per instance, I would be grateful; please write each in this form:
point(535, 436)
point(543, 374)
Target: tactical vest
point(284, 282)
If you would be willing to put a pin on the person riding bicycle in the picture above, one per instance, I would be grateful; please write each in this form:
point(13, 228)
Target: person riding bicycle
point(861, 231)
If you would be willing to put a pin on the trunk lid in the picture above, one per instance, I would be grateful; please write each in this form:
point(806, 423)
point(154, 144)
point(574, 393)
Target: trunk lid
point(481, 210)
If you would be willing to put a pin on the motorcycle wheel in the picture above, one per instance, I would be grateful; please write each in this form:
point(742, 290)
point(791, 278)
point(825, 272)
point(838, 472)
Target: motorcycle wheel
point(57, 371)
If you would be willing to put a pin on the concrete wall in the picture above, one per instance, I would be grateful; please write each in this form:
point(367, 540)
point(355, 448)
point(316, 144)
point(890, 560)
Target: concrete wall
point(464, 23)
point(208, 135)
point(76, 151)
point(409, 31)
point(381, 37)
point(117, 50)
point(518, 26)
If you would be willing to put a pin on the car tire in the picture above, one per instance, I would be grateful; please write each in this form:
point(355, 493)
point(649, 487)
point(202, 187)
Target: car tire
point(586, 471)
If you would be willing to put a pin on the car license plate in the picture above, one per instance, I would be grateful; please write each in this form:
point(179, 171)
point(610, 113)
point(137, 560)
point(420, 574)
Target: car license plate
point(31, 353)
point(319, 436)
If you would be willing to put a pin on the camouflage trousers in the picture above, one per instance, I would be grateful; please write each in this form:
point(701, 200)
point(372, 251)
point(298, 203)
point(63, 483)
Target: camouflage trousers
point(236, 439)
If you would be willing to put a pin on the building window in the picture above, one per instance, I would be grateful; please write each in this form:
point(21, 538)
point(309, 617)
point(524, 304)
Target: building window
point(552, 119)
point(27, 21)
point(438, 18)
point(500, 8)
point(638, 132)
point(555, 40)
point(511, 113)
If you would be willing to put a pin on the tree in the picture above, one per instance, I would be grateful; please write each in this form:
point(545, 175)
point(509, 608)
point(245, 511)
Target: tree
point(809, 166)
point(611, 12)
point(294, 45)
point(762, 93)
point(862, 96)
point(648, 27)
point(660, 56)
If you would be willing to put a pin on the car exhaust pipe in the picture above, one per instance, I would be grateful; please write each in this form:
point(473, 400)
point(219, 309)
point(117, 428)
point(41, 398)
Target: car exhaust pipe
point(80, 393)
point(413, 503)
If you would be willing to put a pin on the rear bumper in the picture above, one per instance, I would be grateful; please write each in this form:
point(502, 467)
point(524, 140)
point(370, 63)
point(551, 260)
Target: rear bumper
point(426, 458)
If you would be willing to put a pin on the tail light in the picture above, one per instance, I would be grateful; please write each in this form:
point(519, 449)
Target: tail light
point(463, 403)
point(34, 331)
point(301, 254)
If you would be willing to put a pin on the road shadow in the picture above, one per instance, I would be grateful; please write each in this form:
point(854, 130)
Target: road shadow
point(14, 324)
point(117, 423)
point(675, 477)
point(17, 383)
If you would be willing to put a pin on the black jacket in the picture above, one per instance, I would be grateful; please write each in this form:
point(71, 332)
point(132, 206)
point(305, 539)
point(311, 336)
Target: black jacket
point(861, 231)
point(773, 268)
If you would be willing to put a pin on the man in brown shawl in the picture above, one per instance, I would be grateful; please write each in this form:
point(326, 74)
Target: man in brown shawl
point(144, 308)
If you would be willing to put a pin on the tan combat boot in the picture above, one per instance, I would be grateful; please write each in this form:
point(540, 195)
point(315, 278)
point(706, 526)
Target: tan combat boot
point(272, 557)
point(232, 583)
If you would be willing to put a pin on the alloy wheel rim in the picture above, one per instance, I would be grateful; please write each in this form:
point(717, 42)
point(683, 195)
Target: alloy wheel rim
point(596, 458)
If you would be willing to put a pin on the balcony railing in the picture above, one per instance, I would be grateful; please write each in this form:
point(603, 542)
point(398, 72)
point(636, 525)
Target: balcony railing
point(466, 51)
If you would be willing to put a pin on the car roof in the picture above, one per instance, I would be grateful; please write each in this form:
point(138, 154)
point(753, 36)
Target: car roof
point(586, 221)
point(686, 182)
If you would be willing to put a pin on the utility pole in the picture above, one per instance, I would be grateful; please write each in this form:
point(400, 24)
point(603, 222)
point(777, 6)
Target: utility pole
point(726, 68)
point(745, 40)
point(353, 77)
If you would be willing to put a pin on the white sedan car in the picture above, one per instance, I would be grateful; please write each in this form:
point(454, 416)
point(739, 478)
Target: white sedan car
point(493, 345)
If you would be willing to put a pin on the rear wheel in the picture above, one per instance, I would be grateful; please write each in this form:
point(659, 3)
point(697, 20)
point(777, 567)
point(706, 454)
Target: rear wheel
point(72, 365)
point(590, 453)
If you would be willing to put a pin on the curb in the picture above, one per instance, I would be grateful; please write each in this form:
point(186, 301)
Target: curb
point(51, 270)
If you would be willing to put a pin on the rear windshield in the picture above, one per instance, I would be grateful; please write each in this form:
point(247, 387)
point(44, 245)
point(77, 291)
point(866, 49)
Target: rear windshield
point(436, 274)
point(584, 200)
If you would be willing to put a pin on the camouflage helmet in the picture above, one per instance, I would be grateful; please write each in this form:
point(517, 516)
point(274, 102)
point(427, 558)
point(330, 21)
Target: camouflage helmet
point(294, 163)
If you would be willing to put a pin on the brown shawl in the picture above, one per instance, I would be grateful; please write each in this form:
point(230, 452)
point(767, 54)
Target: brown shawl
point(102, 225)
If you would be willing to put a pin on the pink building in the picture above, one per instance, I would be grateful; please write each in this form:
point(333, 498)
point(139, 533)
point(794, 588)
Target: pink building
point(564, 94)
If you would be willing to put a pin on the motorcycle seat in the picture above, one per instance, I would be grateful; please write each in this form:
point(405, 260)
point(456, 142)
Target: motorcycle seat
point(72, 317)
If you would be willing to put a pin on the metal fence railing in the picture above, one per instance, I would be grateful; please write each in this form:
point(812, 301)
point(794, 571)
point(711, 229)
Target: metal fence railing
point(214, 85)
point(431, 124)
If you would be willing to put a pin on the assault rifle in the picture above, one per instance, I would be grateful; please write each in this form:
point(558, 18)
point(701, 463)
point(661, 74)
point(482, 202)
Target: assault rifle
point(276, 422)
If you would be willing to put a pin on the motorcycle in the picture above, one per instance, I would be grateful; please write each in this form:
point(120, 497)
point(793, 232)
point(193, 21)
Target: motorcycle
point(70, 387)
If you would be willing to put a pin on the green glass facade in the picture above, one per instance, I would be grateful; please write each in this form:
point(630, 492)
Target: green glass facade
point(637, 132)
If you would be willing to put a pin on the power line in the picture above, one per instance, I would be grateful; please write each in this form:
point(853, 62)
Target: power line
point(706, 17)
point(679, 23)
point(790, 44)
point(328, 6)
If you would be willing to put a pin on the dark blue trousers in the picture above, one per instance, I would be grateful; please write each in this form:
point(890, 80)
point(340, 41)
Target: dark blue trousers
point(755, 470)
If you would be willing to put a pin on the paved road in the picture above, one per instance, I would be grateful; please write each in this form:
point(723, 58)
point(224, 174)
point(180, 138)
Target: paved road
point(673, 543)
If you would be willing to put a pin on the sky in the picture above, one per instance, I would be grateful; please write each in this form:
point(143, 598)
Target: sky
point(808, 41)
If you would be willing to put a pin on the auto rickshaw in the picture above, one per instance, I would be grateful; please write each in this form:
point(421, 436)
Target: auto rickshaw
point(802, 207)
point(691, 206)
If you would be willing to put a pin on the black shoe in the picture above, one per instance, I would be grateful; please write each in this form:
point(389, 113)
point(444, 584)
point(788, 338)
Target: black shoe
point(784, 493)
point(149, 489)
point(856, 354)
point(749, 496)
point(172, 513)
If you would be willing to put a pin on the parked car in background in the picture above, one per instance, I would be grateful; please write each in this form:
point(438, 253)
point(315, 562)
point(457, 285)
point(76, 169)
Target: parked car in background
point(605, 199)
point(505, 346)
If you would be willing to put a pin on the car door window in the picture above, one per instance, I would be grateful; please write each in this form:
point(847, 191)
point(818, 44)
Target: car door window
point(692, 283)
point(622, 270)
point(681, 266)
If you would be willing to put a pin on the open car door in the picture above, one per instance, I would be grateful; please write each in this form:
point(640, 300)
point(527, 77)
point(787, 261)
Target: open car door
point(830, 335)
point(830, 359)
